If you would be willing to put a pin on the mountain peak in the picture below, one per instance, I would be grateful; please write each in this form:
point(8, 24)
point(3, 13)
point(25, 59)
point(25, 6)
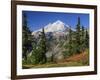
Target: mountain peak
point(58, 22)
point(57, 26)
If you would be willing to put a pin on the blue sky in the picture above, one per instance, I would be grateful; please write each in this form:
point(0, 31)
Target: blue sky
point(37, 20)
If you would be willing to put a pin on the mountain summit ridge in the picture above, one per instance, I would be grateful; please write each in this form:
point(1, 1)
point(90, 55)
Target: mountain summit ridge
point(57, 26)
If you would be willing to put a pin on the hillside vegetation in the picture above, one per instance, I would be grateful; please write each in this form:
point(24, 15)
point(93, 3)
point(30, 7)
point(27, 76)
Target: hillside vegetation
point(81, 59)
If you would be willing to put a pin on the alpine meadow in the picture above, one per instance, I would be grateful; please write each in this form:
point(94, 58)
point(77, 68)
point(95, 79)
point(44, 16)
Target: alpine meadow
point(54, 39)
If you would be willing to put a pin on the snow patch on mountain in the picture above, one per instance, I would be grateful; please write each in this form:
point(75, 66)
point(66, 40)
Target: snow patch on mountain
point(57, 26)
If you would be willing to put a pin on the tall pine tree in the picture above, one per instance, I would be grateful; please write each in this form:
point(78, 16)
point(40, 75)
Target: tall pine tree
point(86, 39)
point(26, 37)
point(82, 39)
point(42, 48)
point(70, 42)
point(78, 41)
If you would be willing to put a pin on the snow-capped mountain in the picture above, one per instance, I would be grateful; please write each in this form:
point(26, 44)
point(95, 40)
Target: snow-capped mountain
point(56, 30)
point(57, 26)
point(56, 36)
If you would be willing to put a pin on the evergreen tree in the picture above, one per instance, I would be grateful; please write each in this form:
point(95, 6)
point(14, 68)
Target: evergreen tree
point(70, 42)
point(39, 50)
point(86, 39)
point(83, 32)
point(34, 52)
point(82, 39)
point(78, 41)
point(42, 48)
point(26, 37)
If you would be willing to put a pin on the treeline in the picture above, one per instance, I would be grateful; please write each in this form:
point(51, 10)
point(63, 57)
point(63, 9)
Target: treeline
point(77, 41)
